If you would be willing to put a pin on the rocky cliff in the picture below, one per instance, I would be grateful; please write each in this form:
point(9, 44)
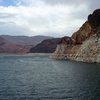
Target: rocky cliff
point(84, 44)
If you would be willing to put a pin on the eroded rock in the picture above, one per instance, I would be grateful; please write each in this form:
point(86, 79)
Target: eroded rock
point(85, 43)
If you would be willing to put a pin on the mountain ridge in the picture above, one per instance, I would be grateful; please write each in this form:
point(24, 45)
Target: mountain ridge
point(26, 40)
point(18, 44)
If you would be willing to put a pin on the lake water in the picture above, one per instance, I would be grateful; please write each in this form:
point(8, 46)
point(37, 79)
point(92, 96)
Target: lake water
point(26, 77)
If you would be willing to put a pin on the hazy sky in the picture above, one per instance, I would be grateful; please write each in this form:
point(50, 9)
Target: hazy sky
point(44, 17)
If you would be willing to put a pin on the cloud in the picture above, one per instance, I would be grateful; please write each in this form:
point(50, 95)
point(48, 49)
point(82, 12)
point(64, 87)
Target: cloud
point(13, 29)
point(49, 2)
point(44, 17)
point(6, 15)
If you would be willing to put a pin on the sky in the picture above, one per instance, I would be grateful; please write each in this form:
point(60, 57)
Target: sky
point(44, 17)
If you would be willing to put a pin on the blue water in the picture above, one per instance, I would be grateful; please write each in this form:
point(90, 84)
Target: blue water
point(41, 78)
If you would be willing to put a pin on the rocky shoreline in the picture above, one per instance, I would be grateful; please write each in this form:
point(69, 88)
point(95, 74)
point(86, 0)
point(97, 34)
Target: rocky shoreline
point(83, 45)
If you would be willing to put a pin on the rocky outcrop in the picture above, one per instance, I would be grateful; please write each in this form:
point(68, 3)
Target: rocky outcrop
point(89, 50)
point(85, 43)
point(82, 34)
point(94, 19)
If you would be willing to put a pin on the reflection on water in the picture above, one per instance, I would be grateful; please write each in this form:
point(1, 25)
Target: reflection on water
point(41, 78)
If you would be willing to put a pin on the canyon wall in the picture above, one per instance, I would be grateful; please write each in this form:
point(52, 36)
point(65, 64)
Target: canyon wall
point(83, 45)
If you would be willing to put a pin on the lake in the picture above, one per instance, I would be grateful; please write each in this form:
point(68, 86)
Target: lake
point(37, 77)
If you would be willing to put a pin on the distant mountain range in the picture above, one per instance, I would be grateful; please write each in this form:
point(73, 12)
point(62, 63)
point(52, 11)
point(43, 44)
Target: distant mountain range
point(20, 44)
point(10, 47)
point(26, 40)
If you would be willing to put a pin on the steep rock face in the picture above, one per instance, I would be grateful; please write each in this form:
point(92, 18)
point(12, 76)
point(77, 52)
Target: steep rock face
point(85, 45)
point(82, 34)
point(63, 47)
point(65, 52)
point(94, 19)
point(89, 50)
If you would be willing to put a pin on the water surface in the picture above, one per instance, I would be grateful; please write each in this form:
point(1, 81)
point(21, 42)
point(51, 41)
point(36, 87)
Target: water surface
point(25, 77)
